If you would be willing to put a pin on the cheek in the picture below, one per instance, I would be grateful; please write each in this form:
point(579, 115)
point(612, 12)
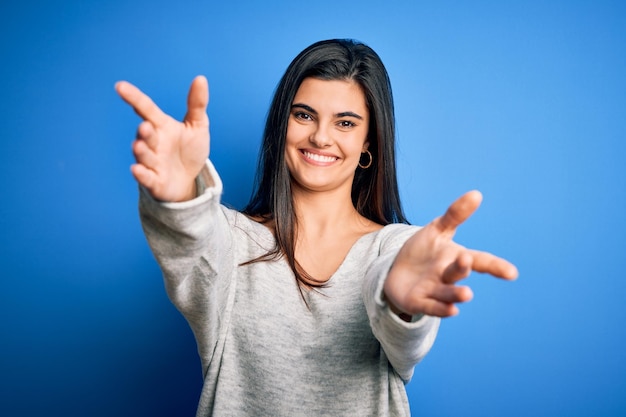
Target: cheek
point(361, 142)
point(291, 141)
point(295, 132)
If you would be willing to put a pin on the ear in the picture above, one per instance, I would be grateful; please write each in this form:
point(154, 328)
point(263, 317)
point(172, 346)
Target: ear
point(366, 146)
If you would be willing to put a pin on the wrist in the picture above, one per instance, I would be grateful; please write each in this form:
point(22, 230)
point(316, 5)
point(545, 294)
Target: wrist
point(190, 192)
point(395, 310)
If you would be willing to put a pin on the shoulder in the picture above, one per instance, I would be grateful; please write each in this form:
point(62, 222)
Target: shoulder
point(248, 229)
point(394, 235)
point(389, 238)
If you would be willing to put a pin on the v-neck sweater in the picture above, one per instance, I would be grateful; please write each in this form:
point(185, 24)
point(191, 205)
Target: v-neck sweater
point(263, 350)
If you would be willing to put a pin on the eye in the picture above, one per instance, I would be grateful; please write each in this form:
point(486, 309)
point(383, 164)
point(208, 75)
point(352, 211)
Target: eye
point(346, 124)
point(300, 115)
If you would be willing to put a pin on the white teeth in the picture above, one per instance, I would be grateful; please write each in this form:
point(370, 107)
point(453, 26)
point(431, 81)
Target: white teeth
point(320, 158)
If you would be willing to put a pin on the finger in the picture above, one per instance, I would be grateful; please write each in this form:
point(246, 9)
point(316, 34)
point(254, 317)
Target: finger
point(460, 268)
point(144, 155)
point(449, 294)
point(146, 133)
point(439, 302)
point(144, 176)
point(459, 211)
point(197, 101)
point(486, 262)
point(432, 307)
point(141, 103)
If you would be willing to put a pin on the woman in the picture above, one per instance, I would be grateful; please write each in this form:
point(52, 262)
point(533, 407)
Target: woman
point(318, 299)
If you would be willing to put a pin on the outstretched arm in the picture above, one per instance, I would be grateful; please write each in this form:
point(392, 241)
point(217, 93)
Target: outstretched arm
point(424, 275)
point(169, 154)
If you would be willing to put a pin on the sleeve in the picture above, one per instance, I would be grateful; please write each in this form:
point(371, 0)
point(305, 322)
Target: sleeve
point(405, 343)
point(192, 242)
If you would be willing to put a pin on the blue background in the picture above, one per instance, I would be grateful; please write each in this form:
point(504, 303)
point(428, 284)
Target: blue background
point(524, 100)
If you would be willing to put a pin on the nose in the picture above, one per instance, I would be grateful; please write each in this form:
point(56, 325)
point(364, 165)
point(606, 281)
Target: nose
point(321, 137)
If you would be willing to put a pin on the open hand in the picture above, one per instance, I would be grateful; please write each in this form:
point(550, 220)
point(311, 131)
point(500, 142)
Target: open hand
point(169, 154)
point(423, 277)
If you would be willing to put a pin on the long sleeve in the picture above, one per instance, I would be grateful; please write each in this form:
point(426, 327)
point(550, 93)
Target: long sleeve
point(180, 233)
point(265, 350)
point(192, 242)
point(404, 343)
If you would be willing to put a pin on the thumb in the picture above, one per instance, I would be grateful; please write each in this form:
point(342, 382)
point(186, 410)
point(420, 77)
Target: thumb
point(197, 100)
point(459, 211)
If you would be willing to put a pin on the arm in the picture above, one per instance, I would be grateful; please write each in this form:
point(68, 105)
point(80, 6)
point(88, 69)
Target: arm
point(184, 223)
point(405, 343)
point(172, 170)
point(188, 235)
point(414, 284)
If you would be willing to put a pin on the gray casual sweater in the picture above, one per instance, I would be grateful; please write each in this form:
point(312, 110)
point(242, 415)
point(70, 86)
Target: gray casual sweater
point(263, 351)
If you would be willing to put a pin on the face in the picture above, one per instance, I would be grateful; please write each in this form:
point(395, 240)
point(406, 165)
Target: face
point(326, 134)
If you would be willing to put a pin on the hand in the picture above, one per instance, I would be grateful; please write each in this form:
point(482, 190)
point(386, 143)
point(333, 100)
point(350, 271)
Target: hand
point(169, 154)
point(423, 277)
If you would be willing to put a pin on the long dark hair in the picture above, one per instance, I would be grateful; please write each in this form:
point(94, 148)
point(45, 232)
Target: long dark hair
point(374, 190)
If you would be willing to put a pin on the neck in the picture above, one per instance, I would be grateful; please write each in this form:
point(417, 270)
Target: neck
point(322, 213)
point(328, 226)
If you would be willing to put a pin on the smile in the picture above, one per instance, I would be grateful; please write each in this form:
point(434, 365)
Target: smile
point(319, 158)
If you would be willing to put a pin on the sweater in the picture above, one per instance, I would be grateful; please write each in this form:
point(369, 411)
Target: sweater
point(263, 350)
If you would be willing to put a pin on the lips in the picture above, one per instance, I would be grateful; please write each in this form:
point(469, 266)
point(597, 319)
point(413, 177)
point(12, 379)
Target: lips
point(324, 159)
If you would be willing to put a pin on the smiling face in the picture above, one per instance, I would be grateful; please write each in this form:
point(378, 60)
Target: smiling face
point(326, 133)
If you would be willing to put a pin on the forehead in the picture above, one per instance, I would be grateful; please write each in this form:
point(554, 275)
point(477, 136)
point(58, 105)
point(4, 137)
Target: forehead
point(335, 96)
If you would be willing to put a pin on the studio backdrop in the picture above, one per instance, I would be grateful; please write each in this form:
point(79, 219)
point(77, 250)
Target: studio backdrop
point(523, 100)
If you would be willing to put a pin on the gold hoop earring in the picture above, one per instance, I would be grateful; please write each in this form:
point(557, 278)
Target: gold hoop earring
point(369, 164)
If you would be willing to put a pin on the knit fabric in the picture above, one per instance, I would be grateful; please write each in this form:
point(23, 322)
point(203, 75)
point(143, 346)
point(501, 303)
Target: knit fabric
point(263, 350)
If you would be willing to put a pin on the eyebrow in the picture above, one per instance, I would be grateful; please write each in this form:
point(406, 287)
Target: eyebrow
point(313, 111)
